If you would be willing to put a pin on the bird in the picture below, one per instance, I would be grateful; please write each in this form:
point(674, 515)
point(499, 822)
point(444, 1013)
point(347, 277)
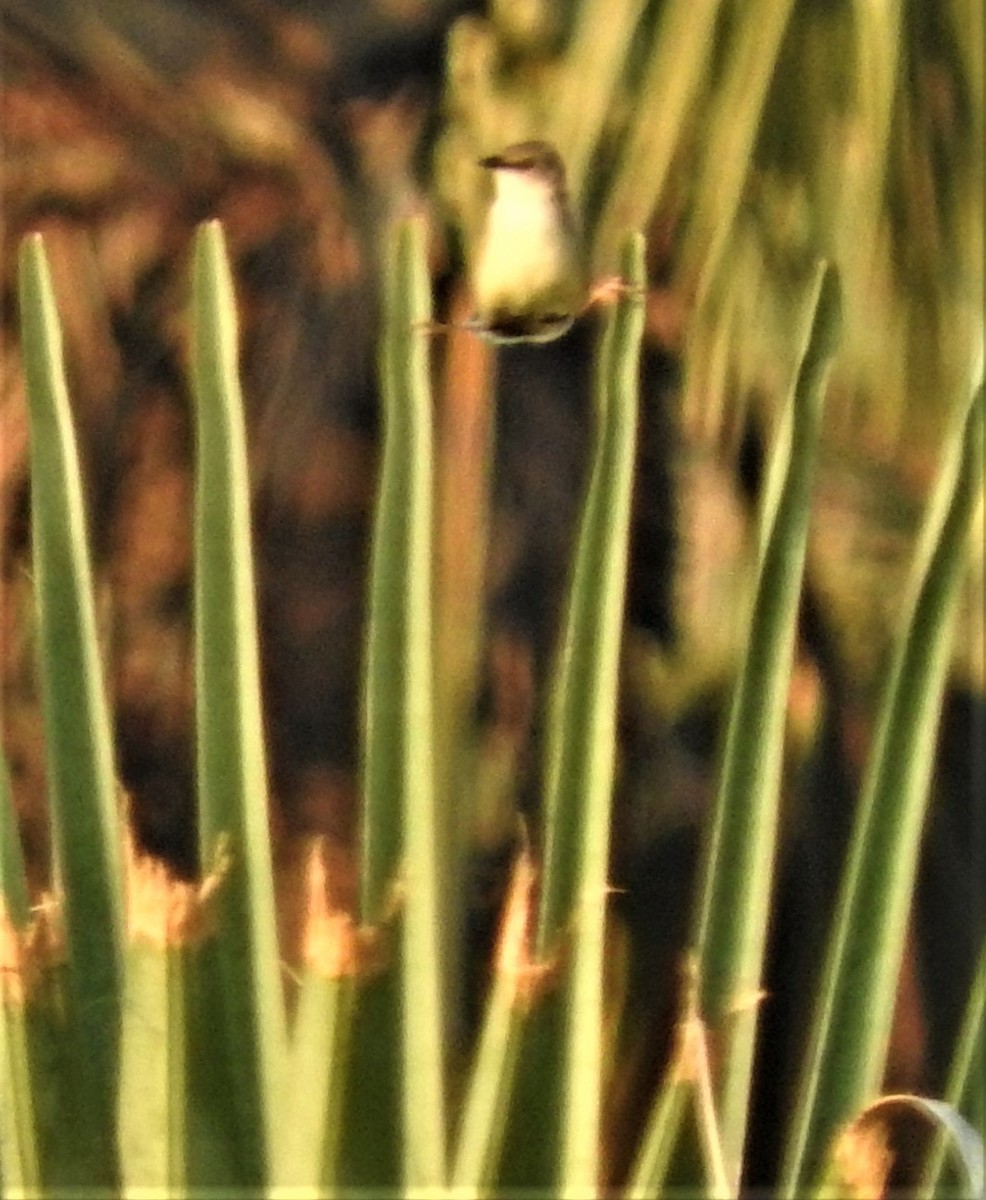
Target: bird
point(529, 278)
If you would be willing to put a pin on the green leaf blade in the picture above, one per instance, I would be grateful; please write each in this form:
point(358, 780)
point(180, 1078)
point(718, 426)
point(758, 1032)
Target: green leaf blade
point(560, 1065)
point(400, 860)
point(81, 781)
point(852, 1025)
point(232, 780)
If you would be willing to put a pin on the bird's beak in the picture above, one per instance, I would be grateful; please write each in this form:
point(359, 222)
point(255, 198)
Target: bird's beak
point(492, 161)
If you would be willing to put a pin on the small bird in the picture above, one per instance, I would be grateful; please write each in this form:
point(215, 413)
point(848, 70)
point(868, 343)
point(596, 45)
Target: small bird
point(529, 278)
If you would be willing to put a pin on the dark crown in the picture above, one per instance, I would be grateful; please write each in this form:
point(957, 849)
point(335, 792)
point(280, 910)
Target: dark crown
point(529, 156)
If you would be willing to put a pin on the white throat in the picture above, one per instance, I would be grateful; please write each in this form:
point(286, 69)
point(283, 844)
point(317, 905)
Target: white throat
point(525, 204)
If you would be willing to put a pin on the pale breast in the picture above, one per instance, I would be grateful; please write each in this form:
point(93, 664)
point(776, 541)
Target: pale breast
point(523, 252)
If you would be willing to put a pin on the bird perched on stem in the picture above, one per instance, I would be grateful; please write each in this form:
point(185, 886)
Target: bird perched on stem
point(529, 279)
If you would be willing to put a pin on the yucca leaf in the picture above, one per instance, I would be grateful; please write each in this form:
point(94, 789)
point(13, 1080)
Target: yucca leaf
point(231, 772)
point(82, 791)
point(398, 1054)
point(851, 1029)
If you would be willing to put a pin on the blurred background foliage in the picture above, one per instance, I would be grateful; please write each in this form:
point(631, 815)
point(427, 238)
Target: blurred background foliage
point(746, 139)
